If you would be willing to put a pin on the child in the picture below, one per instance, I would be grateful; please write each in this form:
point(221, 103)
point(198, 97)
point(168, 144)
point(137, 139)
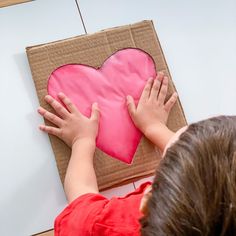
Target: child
point(194, 190)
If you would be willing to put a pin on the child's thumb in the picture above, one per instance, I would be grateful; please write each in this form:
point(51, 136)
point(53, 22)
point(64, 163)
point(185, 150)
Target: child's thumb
point(95, 112)
point(131, 105)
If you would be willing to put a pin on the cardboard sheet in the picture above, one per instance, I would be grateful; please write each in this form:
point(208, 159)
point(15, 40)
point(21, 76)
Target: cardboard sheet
point(47, 233)
point(93, 50)
point(5, 3)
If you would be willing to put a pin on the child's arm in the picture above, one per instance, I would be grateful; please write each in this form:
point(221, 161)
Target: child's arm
point(151, 114)
point(79, 133)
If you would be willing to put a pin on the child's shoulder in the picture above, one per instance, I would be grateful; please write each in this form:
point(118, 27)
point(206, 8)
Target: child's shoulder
point(94, 213)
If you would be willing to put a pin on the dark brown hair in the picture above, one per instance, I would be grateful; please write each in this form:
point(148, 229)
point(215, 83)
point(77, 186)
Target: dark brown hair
point(194, 190)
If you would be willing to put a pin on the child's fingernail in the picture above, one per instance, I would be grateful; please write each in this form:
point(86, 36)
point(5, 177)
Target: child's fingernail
point(47, 97)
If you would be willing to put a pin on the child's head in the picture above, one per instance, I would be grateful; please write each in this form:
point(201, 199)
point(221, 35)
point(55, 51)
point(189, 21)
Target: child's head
point(194, 190)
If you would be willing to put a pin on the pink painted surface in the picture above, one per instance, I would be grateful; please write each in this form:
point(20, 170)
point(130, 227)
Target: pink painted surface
point(123, 73)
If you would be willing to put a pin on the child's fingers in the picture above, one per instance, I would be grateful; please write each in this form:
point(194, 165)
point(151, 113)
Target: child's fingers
point(155, 89)
point(51, 130)
point(146, 91)
point(131, 105)
point(160, 76)
point(70, 106)
point(163, 90)
point(171, 102)
point(95, 114)
point(50, 117)
point(60, 110)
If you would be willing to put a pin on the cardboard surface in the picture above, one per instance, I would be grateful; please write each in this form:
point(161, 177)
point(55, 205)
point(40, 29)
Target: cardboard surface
point(47, 233)
point(5, 3)
point(93, 50)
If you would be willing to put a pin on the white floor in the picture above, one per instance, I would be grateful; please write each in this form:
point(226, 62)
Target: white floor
point(199, 42)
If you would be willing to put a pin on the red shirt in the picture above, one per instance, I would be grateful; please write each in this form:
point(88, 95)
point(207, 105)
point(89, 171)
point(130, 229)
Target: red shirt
point(94, 214)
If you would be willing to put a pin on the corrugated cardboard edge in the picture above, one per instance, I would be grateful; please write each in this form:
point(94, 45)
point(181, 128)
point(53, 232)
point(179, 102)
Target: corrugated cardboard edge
point(49, 232)
point(98, 152)
point(181, 107)
point(6, 3)
point(108, 29)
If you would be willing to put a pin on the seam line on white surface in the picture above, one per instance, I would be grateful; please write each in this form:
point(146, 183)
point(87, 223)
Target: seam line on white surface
point(77, 4)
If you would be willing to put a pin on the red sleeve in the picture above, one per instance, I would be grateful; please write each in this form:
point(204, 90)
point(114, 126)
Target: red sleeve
point(93, 214)
point(79, 216)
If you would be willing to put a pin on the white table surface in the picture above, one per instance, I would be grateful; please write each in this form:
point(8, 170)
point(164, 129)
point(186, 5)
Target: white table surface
point(199, 42)
point(31, 191)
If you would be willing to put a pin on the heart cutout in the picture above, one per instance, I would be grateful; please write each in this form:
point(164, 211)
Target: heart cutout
point(123, 73)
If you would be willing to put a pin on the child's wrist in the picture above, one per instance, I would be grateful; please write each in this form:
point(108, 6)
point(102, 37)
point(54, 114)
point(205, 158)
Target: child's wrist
point(90, 142)
point(155, 129)
point(160, 135)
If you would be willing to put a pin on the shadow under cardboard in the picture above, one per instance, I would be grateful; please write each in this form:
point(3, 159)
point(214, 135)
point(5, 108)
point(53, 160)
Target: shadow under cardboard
point(22, 64)
point(41, 177)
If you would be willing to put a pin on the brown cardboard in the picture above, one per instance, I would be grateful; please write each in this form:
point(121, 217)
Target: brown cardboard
point(47, 233)
point(93, 50)
point(5, 3)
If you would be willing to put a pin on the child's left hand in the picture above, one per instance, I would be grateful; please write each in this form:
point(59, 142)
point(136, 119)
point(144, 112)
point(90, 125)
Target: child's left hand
point(71, 124)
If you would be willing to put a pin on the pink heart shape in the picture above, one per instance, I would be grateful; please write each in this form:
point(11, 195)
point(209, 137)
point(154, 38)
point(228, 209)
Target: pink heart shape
point(123, 73)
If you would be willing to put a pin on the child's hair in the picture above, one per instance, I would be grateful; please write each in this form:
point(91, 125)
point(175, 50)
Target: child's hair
point(194, 190)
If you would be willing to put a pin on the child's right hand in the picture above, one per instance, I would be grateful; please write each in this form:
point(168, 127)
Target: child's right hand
point(70, 124)
point(151, 111)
